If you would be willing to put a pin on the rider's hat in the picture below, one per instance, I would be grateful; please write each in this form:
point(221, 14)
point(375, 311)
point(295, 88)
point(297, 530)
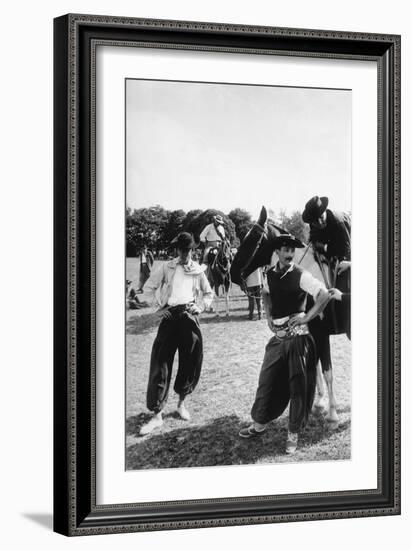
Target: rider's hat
point(184, 241)
point(287, 240)
point(314, 208)
point(218, 219)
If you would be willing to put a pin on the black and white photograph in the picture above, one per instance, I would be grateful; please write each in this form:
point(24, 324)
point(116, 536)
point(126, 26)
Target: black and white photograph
point(186, 185)
point(238, 274)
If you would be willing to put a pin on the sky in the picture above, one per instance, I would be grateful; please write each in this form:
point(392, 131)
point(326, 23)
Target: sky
point(210, 145)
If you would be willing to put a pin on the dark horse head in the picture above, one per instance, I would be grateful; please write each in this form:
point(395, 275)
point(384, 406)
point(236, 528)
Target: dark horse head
point(219, 266)
point(256, 249)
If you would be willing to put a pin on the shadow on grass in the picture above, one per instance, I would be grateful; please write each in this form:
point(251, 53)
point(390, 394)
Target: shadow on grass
point(216, 443)
point(223, 318)
point(140, 324)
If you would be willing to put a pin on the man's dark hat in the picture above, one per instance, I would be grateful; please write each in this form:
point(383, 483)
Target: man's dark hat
point(287, 240)
point(314, 208)
point(184, 241)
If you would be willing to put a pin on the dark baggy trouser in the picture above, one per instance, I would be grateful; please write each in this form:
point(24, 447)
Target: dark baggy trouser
point(288, 374)
point(181, 331)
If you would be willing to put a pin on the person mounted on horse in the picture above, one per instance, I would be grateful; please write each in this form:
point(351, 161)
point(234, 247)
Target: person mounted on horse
point(212, 236)
point(217, 257)
point(330, 236)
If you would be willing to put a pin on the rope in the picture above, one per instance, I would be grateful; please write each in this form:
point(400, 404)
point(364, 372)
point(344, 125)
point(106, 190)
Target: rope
point(305, 252)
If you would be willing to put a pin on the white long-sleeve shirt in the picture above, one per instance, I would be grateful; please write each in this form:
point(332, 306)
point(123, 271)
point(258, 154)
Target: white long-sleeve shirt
point(194, 287)
point(209, 233)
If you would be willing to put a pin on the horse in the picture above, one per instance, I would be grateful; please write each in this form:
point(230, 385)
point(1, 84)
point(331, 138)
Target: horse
point(218, 273)
point(257, 250)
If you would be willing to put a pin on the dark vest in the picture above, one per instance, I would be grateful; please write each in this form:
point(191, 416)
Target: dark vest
point(285, 293)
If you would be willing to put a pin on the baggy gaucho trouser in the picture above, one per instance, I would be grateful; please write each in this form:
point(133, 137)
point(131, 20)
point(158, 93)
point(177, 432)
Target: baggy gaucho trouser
point(288, 375)
point(254, 295)
point(181, 332)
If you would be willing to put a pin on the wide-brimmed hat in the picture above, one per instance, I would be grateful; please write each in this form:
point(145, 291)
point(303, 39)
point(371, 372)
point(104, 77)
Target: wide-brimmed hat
point(184, 241)
point(218, 219)
point(287, 240)
point(314, 208)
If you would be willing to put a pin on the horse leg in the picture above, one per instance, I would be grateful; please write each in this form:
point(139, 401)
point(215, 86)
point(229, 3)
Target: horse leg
point(216, 301)
point(326, 365)
point(332, 415)
point(227, 304)
point(321, 339)
point(322, 343)
point(320, 400)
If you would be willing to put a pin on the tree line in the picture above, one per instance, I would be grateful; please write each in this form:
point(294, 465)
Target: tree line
point(155, 227)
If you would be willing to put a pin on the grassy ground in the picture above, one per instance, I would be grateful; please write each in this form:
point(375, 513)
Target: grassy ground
point(221, 403)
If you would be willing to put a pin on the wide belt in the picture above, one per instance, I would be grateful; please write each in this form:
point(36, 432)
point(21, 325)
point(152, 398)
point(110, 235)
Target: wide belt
point(180, 308)
point(284, 330)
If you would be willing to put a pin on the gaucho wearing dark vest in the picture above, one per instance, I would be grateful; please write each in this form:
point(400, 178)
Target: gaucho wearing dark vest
point(288, 372)
point(287, 297)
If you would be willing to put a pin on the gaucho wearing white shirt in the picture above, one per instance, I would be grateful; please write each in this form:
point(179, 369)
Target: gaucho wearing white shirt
point(175, 288)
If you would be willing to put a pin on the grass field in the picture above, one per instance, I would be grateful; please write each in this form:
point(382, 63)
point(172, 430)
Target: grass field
point(220, 405)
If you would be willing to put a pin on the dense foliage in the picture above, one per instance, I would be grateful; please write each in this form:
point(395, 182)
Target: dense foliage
point(155, 227)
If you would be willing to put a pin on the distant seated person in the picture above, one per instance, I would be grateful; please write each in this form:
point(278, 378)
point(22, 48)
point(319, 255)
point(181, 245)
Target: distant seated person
point(132, 299)
point(212, 236)
point(146, 263)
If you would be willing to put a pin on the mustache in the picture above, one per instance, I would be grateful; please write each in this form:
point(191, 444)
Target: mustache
point(288, 258)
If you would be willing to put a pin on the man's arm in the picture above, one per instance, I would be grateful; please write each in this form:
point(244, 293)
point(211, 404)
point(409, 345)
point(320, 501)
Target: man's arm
point(203, 234)
point(322, 300)
point(153, 283)
point(207, 292)
point(267, 308)
point(219, 229)
point(341, 244)
point(318, 291)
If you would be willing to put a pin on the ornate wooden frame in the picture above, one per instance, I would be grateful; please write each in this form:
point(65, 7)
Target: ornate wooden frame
point(75, 42)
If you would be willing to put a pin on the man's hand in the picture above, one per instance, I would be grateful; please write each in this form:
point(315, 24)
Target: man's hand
point(270, 323)
point(164, 313)
point(194, 309)
point(335, 294)
point(297, 320)
point(343, 266)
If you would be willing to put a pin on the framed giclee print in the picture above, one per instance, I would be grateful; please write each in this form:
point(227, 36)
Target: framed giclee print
point(227, 274)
